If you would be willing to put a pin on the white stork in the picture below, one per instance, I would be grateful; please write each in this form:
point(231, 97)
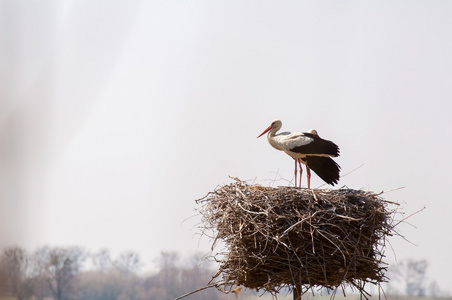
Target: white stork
point(307, 148)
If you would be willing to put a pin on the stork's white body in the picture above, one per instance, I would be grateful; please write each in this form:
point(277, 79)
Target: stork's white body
point(285, 141)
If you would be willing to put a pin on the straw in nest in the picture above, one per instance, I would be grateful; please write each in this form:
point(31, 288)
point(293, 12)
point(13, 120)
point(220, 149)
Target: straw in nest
point(291, 237)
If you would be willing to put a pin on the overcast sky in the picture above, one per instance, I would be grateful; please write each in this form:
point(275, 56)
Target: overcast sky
point(115, 116)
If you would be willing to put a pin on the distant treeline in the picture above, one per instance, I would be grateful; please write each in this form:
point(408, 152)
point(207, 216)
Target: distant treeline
point(61, 273)
point(70, 273)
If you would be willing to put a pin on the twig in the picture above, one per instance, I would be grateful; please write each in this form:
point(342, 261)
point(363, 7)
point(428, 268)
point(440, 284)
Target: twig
point(404, 219)
point(201, 289)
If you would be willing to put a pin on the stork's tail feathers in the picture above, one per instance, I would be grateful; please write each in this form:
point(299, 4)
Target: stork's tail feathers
point(325, 167)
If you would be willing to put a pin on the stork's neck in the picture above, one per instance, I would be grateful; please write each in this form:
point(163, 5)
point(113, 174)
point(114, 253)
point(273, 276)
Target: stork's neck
point(273, 140)
point(272, 133)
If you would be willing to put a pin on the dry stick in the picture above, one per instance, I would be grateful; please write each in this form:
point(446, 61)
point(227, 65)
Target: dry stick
point(348, 173)
point(404, 219)
point(198, 290)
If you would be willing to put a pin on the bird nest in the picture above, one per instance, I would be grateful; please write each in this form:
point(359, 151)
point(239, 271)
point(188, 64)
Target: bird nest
point(289, 237)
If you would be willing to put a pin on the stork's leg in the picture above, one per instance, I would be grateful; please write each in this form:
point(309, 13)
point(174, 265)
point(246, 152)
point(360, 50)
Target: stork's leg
point(301, 172)
point(295, 173)
point(308, 175)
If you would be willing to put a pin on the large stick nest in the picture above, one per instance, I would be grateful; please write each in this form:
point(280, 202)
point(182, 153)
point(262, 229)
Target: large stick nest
point(286, 237)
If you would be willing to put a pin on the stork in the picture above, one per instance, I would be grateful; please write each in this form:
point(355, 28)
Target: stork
point(307, 148)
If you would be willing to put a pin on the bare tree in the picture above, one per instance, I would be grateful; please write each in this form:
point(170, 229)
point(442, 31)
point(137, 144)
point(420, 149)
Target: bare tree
point(17, 267)
point(60, 267)
point(413, 274)
point(416, 277)
point(105, 281)
point(102, 261)
point(112, 279)
point(434, 290)
point(128, 262)
point(101, 285)
point(195, 274)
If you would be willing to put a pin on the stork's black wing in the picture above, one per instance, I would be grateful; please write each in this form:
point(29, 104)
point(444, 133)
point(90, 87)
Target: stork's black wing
point(318, 146)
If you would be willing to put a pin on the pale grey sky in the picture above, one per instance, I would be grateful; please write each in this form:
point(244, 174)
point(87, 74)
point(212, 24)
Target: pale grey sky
point(116, 116)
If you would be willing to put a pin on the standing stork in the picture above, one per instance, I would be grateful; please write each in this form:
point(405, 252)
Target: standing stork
point(307, 148)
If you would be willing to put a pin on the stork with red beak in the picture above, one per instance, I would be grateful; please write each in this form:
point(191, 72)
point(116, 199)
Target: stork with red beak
point(306, 148)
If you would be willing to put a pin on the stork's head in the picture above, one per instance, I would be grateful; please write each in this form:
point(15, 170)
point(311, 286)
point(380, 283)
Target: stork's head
point(275, 126)
point(314, 132)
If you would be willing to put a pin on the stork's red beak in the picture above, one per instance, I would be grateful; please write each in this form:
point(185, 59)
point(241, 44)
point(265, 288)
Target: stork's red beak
point(265, 131)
